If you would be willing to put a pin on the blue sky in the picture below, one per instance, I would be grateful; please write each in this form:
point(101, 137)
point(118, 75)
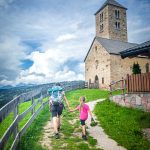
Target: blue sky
point(46, 40)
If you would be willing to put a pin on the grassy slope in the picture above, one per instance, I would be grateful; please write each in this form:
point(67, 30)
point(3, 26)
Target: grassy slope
point(7, 122)
point(124, 125)
point(32, 136)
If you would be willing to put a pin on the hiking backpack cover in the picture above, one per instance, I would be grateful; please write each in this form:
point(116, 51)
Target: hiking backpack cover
point(56, 94)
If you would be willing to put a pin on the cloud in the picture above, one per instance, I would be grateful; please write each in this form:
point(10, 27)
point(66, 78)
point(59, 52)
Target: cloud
point(55, 36)
point(65, 37)
point(11, 53)
point(5, 3)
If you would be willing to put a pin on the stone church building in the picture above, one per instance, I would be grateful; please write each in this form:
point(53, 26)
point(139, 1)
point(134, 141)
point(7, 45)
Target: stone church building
point(103, 63)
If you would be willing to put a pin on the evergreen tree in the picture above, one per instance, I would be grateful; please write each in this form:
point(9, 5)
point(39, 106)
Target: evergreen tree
point(136, 69)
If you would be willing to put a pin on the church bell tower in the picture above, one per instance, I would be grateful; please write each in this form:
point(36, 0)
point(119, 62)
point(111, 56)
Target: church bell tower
point(111, 21)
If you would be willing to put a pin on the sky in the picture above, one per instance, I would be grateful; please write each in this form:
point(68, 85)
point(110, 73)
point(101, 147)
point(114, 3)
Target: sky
point(44, 41)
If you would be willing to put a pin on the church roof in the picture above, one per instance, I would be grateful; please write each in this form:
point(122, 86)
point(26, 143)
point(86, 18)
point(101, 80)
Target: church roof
point(111, 2)
point(141, 49)
point(112, 46)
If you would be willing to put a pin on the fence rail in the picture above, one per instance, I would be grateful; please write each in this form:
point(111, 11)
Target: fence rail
point(118, 85)
point(13, 106)
point(138, 83)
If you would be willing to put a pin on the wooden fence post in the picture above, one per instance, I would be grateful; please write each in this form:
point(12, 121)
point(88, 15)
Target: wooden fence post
point(33, 110)
point(122, 85)
point(110, 90)
point(15, 115)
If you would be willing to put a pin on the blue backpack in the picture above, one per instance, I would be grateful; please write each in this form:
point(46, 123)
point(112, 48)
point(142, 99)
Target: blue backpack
point(56, 94)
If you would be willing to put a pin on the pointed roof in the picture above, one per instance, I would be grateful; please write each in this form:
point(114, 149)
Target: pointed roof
point(111, 2)
point(112, 46)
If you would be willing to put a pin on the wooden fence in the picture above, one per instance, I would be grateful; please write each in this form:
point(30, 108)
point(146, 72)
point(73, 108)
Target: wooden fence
point(13, 106)
point(138, 83)
point(117, 86)
point(132, 84)
point(93, 85)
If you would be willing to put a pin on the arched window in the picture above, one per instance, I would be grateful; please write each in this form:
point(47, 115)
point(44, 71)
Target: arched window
point(103, 80)
point(96, 79)
point(117, 14)
point(117, 25)
point(147, 67)
point(101, 17)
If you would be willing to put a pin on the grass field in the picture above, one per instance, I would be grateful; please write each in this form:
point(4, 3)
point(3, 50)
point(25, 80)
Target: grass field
point(124, 125)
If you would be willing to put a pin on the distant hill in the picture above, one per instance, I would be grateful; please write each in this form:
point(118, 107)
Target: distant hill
point(7, 93)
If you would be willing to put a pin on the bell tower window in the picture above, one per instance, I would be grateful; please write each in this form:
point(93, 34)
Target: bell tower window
point(117, 14)
point(101, 17)
point(117, 25)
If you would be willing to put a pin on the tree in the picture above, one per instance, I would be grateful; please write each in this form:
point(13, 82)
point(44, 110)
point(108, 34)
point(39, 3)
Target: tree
point(136, 69)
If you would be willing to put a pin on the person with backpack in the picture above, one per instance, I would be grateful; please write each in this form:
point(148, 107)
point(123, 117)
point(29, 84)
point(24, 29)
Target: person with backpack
point(57, 96)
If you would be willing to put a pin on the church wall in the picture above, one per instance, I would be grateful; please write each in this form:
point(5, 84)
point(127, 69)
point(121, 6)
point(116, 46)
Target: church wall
point(98, 63)
point(121, 67)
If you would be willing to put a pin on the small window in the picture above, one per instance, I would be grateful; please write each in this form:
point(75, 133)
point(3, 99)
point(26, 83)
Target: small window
point(95, 49)
point(147, 68)
point(102, 80)
point(96, 63)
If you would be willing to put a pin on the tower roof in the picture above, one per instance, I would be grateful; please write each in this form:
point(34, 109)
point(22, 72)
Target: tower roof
point(111, 2)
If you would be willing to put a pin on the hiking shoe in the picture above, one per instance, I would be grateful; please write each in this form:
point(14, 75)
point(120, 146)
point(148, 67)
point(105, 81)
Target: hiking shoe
point(84, 137)
point(56, 136)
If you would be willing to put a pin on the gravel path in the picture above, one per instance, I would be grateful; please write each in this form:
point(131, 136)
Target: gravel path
point(103, 141)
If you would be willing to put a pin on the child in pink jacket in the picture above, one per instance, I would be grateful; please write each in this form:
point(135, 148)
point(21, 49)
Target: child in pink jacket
point(84, 110)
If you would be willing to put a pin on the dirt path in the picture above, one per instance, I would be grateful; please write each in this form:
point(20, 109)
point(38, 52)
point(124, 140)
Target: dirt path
point(103, 141)
point(47, 135)
point(97, 132)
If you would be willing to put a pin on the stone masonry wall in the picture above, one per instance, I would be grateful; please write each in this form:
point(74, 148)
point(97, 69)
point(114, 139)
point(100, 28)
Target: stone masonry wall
point(105, 32)
point(140, 101)
point(121, 67)
point(118, 34)
point(98, 63)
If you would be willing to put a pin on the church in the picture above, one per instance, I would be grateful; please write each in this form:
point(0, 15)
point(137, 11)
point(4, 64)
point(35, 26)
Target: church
point(103, 63)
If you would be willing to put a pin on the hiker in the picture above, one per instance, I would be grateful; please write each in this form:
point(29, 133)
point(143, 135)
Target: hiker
point(57, 95)
point(84, 110)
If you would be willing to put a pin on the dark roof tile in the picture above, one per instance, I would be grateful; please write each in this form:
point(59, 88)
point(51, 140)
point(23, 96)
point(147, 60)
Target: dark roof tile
point(111, 2)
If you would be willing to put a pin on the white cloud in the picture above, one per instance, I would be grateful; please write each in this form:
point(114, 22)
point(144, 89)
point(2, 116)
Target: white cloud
point(5, 3)
point(11, 54)
point(65, 37)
